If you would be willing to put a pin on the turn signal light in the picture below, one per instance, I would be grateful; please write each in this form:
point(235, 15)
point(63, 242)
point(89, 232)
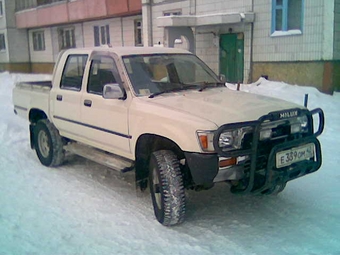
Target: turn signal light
point(204, 141)
point(227, 162)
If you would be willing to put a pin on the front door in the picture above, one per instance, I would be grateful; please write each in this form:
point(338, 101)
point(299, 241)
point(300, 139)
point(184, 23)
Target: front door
point(232, 57)
point(105, 120)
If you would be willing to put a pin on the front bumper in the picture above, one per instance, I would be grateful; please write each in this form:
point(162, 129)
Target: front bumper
point(260, 171)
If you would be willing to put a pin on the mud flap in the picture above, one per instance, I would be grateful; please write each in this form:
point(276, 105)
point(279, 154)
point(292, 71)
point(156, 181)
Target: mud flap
point(31, 127)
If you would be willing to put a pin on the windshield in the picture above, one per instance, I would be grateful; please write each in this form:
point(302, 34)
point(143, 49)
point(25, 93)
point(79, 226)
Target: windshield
point(161, 73)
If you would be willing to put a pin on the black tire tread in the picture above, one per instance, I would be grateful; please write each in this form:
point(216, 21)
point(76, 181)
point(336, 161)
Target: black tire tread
point(58, 154)
point(173, 188)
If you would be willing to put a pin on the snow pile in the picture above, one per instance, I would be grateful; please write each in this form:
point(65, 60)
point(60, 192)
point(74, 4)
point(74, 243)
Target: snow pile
point(83, 208)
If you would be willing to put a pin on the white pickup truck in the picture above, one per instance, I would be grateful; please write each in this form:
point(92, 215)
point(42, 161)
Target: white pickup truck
point(165, 115)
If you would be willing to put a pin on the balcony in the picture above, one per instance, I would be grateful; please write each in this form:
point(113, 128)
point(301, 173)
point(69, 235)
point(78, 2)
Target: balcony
point(37, 13)
point(29, 4)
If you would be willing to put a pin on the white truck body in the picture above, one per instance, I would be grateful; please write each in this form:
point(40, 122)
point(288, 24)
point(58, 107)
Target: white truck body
point(184, 120)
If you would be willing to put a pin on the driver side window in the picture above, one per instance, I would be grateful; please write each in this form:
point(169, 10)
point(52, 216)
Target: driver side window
point(101, 73)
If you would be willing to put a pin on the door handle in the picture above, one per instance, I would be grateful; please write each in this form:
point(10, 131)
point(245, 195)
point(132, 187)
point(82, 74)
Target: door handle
point(59, 97)
point(87, 103)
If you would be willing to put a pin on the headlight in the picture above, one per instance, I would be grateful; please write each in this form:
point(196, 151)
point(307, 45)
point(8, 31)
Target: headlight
point(300, 126)
point(290, 126)
point(232, 139)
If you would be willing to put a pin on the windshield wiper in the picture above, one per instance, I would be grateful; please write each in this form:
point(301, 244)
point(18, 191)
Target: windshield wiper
point(183, 87)
point(210, 84)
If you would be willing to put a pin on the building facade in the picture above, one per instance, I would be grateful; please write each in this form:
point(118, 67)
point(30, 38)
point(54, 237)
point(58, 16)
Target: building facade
point(50, 26)
point(296, 41)
point(14, 54)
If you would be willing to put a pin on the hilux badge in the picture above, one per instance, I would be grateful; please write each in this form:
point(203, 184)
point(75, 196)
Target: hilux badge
point(288, 114)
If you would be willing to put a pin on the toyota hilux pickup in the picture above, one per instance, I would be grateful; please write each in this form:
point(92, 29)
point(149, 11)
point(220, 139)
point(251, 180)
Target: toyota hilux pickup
point(165, 115)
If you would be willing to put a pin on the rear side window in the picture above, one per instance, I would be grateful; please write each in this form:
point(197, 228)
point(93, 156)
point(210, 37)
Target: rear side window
point(73, 73)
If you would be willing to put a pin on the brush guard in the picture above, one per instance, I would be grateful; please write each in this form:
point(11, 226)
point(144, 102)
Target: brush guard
point(274, 178)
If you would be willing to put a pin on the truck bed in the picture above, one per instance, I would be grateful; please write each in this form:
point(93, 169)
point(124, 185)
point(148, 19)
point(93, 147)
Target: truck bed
point(31, 95)
point(35, 84)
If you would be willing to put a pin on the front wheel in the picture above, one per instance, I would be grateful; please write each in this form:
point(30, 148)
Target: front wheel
point(166, 187)
point(48, 144)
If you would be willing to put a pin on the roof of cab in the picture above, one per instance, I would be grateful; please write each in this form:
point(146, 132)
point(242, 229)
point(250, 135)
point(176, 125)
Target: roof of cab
point(125, 51)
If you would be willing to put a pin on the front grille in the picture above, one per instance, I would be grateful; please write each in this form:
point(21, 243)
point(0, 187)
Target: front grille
point(281, 133)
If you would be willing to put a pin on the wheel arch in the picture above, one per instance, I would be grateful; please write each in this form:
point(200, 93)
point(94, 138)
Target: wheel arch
point(145, 145)
point(35, 115)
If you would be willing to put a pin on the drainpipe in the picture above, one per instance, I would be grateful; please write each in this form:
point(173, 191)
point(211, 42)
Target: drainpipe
point(192, 7)
point(29, 51)
point(82, 33)
point(147, 22)
point(121, 30)
point(251, 45)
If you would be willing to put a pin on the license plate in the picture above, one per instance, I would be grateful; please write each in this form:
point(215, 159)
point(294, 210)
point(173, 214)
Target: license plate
point(288, 157)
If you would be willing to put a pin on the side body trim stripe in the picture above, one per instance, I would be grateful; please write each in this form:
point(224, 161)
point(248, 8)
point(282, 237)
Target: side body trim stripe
point(94, 127)
point(20, 108)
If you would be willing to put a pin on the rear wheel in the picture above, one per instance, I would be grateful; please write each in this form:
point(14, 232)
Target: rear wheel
point(166, 187)
point(48, 144)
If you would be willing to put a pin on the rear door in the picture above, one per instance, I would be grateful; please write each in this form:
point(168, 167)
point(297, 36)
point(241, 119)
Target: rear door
point(105, 120)
point(66, 95)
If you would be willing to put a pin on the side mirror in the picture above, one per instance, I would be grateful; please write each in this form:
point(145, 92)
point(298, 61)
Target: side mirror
point(113, 91)
point(222, 78)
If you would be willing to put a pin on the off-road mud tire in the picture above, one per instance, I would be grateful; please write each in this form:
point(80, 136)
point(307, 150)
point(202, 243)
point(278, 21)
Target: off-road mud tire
point(48, 144)
point(166, 188)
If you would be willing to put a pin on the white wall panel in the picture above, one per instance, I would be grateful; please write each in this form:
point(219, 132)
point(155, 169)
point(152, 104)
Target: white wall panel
point(45, 56)
point(17, 45)
point(308, 46)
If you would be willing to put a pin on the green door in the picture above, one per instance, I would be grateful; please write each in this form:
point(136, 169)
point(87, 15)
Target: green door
point(232, 57)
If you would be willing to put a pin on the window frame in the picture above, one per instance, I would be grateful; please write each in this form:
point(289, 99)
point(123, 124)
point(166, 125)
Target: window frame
point(35, 39)
point(176, 12)
point(137, 30)
point(67, 61)
point(285, 18)
point(4, 48)
point(113, 70)
point(62, 38)
point(101, 35)
point(1, 8)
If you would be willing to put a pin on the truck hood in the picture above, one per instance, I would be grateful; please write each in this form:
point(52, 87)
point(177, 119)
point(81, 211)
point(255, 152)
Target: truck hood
point(221, 105)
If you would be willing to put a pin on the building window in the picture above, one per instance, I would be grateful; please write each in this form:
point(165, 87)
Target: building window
point(38, 41)
point(66, 38)
point(25, 4)
point(101, 35)
point(43, 2)
point(1, 9)
point(287, 15)
point(2, 42)
point(138, 33)
point(172, 13)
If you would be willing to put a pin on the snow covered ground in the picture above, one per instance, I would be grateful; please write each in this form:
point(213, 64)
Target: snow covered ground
point(83, 208)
